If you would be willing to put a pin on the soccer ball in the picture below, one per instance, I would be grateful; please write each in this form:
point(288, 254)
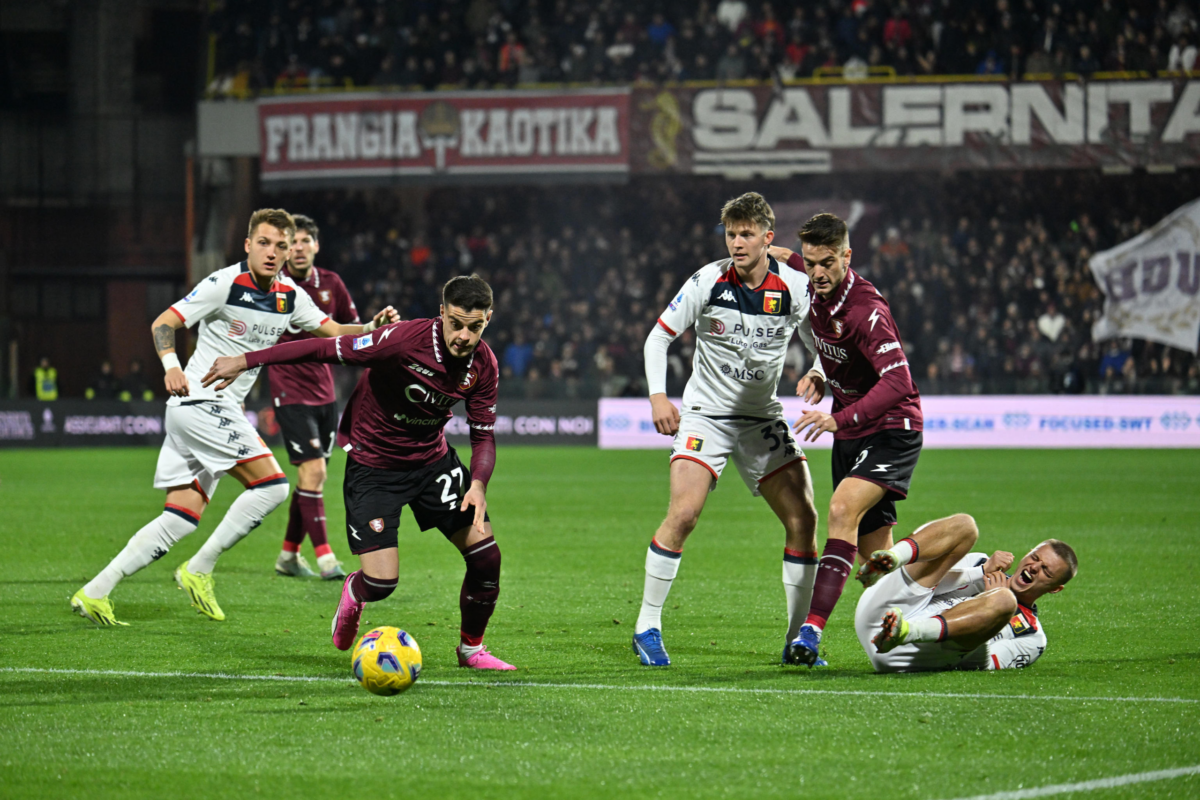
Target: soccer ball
point(386, 661)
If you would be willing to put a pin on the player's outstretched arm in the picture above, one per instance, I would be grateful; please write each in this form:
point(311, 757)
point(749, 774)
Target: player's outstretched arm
point(163, 329)
point(331, 328)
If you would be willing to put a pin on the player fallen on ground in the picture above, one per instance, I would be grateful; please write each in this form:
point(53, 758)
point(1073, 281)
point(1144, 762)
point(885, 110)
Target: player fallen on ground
point(398, 455)
point(932, 604)
point(306, 410)
point(745, 309)
point(876, 419)
point(239, 308)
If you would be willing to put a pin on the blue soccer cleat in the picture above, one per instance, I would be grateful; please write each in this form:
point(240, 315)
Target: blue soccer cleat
point(805, 648)
point(649, 648)
point(820, 662)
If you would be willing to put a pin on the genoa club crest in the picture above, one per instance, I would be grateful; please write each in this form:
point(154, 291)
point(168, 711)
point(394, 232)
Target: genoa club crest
point(836, 324)
point(694, 443)
point(468, 379)
point(281, 302)
point(772, 302)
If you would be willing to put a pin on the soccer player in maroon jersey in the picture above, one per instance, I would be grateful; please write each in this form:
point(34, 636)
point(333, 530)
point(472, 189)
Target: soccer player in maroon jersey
point(398, 453)
point(306, 409)
point(876, 419)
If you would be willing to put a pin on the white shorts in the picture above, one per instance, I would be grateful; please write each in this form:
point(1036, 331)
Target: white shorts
point(759, 447)
point(204, 441)
point(898, 590)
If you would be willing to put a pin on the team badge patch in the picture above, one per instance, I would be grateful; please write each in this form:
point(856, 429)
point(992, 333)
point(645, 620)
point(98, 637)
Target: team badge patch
point(376, 525)
point(772, 302)
point(1021, 626)
point(716, 327)
point(837, 328)
point(468, 379)
point(694, 443)
point(325, 296)
point(362, 341)
point(281, 302)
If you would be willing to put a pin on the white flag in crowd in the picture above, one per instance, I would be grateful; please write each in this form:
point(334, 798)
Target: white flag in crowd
point(1151, 283)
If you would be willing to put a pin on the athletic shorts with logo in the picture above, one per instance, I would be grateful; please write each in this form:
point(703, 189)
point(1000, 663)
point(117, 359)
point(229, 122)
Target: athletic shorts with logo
point(759, 447)
point(205, 439)
point(898, 590)
point(887, 458)
point(375, 497)
point(309, 432)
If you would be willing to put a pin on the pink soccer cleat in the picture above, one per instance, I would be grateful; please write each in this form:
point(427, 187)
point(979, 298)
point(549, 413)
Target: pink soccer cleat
point(481, 660)
point(345, 621)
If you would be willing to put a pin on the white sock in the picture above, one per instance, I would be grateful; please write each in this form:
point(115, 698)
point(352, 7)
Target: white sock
point(244, 515)
point(469, 650)
point(905, 552)
point(327, 561)
point(287, 555)
point(929, 629)
point(799, 576)
point(661, 568)
point(149, 544)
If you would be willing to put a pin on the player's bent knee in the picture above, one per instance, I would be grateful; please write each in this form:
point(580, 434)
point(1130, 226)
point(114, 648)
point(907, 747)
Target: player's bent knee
point(1002, 601)
point(967, 523)
point(272, 494)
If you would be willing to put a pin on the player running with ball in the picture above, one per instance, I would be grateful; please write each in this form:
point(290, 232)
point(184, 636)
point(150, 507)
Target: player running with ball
point(744, 308)
point(876, 419)
point(398, 455)
point(239, 308)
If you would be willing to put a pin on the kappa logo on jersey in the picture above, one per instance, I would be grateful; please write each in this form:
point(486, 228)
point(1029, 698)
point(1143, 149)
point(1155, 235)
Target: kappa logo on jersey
point(325, 296)
point(694, 443)
point(376, 525)
point(281, 302)
point(363, 341)
point(415, 367)
point(237, 328)
point(726, 295)
point(716, 327)
point(836, 324)
point(772, 302)
point(247, 297)
point(468, 380)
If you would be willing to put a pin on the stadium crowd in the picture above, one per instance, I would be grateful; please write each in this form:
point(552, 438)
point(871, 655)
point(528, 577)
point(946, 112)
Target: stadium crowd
point(483, 43)
point(986, 275)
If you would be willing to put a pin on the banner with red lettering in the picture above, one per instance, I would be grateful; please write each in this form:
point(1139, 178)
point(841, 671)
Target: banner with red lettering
point(1151, 283)
point(779, 131)
point(444, 137)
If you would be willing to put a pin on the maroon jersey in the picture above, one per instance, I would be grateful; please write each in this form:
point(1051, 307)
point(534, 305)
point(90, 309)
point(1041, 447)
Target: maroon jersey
point(402, 402)
point(312, 384)
point(865, 367)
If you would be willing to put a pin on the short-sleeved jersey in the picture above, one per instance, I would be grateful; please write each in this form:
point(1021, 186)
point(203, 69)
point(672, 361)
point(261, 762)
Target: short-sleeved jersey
point(235, 317)
point(742, 336)
point(859, 343)
point(312, 384)
point(396, 416)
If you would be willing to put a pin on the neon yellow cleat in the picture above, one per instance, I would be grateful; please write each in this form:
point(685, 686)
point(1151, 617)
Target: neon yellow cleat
point(98, 611)
point(881, 562)
point(895, 631)
point(199, 587)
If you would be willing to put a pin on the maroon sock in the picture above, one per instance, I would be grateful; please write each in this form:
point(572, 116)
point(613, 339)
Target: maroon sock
point(295, 526)
point(836, 562)
point(371, 590)
point(480, 588)
point(312, 513)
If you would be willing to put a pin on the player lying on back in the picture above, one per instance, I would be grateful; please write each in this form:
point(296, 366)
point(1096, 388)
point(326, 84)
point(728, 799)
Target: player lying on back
point(876, 419)
point(932, 604)
point(306, 410)
point(239, 308)
point(745, 309)
point(398, 455)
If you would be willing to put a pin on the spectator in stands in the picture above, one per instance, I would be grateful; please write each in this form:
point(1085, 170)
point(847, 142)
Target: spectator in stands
point(134, 386)
point(44, 380)
point(518, 355)
point(104, 385)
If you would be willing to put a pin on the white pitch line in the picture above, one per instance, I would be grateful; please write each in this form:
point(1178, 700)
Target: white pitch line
point(1090, 786)
point(609, 687)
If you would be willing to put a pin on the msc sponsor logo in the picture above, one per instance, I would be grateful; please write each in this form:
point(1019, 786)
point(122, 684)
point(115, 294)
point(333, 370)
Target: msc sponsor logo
point(1017, 419)
point(237, 328)
point(743, 373)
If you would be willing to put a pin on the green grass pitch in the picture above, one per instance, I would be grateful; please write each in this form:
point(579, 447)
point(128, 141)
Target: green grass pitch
point(1117, 693)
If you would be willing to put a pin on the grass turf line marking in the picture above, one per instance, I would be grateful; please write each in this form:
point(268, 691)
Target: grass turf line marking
point(602, 686)
point(1089, 786)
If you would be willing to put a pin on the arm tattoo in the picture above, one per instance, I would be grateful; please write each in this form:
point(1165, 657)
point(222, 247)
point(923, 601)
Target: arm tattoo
point(164, 338)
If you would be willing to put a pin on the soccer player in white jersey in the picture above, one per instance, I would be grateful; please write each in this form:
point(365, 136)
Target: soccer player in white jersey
point(240, 308)
point(745, 309)
point(932, 604)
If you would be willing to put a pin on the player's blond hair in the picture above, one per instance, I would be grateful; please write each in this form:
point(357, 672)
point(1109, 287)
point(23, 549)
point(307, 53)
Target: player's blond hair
point(276, 217)
point(1067, 554)
point(751, 207)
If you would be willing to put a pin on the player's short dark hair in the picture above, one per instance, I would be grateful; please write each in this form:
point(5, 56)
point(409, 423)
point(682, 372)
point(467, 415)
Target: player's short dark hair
point(825, 230)
point(304, 223)
point(750, 207)
point(276, 217)
point(1067, 554)
point(468, 292)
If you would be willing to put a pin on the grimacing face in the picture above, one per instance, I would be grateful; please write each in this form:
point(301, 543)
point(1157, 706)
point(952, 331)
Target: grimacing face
point(747, 242)
point(826, 267)
point(462, 329)
point(267, 250)
point(1040, 572)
